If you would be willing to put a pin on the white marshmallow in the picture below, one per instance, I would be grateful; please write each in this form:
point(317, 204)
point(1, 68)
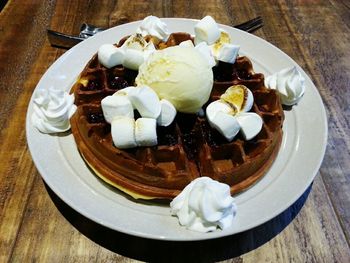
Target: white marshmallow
point(146, 54)
point(116, 105)
point(146, 101)
point(122, 130)
point(167, 113)
point(187, 43)
point(204, 49)
point(206, 30)
point(228, 53)
point(218, 106)
point(248, 102)
point(226, 124)
point(133, 58)
point(251, 124)
point(123, 92)
point(146, 132)
point(110, 56)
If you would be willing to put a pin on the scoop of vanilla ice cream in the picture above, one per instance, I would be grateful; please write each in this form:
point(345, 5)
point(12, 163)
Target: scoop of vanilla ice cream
point(180, 75)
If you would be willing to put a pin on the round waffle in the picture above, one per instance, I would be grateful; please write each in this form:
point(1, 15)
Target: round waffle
point(186, 149)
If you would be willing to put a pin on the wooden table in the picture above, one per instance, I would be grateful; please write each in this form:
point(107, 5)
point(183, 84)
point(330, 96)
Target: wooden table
point(36, 226)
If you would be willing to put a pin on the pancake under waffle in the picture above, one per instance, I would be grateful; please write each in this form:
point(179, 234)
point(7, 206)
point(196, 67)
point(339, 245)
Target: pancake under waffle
point(186, 149)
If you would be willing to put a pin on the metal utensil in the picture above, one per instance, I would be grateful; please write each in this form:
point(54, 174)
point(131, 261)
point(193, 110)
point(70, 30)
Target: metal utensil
point(62, 40)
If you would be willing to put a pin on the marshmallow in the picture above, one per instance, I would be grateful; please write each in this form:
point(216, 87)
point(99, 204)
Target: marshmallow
point(110, 56)
point(226, 124)
point(206, 30)
point(133, 58)
point(251, 124)
point(228, 53)
point(167, 113)
point(224, 38)
point(249, 101)
point(187, 43)
point(122, 130)
point(204, 49)
point(116, 105)
point(146, 54)
point(146, 132)
point(137, 42)
point(218, 106)
point(239, 96)
point(123, 92)
point(146, 101)
point(137, 50)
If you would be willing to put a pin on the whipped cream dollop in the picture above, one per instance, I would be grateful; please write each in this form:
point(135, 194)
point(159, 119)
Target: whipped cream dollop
point(52, 110)
point(289, 83)
point(204, 205)
point(152, 25)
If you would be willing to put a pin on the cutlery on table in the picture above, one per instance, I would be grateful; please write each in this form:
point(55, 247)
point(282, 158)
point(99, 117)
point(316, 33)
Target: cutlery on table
point(62, 40)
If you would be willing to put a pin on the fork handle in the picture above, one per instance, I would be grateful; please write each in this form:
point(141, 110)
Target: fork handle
point(58, 39)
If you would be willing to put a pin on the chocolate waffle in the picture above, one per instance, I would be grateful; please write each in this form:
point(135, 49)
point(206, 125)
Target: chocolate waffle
point(186, 149)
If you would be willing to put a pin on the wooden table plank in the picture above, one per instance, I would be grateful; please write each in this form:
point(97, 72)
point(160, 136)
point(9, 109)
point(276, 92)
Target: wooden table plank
point(324, 47)
point(314, 33)
point(20, 43)
point(16, 35)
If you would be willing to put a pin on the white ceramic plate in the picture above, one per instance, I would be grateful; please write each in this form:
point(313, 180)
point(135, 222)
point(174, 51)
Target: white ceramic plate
point(300, 156)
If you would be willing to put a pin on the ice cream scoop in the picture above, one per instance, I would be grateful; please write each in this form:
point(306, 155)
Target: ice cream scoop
point(180, 75)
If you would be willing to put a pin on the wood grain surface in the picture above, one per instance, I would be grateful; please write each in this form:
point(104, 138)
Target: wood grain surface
point(35, 226)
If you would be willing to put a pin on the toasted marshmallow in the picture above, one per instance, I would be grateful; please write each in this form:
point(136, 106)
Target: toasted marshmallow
point(218, 106)
point(137, 50)
point(187, 43)
point(206, 30)
point(116, 105)
point(223, 39)
point(137, 42)
point(226, 124)
point(251, 124)
point(110, 56)
point(146, 132)
point(223, 50)
point(167, 113)
point(228, 53)
point(204, 49)
point(146, 101)
point(239, 96)
point(133, 58)
point(122, 130)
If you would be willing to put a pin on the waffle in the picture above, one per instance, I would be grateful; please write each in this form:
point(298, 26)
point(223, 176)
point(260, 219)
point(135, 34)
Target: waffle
point(186, 149)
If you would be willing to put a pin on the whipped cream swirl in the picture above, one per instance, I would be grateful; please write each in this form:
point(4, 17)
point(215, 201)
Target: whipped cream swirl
point(204, 205)
point(52, 110)
point(152, 25)
point(289, 83)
